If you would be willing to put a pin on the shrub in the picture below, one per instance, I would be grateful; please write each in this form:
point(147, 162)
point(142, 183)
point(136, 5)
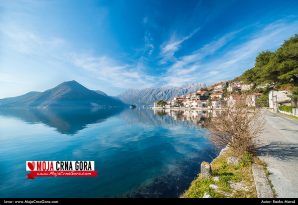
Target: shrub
point(263, 100)
point(285, 108)
point(237, 126)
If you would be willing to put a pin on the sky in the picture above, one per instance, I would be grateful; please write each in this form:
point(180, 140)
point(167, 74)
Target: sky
point(115, 45)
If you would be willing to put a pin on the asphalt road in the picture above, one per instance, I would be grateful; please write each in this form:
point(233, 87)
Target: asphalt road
point(278, 147)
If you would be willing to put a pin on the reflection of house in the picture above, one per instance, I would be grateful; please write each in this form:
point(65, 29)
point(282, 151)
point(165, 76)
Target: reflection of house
point(277, 98)
point(195, 116)
point(167, 106)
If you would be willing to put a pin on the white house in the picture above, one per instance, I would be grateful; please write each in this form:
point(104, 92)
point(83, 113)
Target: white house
point(278, 97)
point(246, 87)
point(251, 100)
point(215, 104)
point(219, 86)
point(216, 95)
point(233, 86)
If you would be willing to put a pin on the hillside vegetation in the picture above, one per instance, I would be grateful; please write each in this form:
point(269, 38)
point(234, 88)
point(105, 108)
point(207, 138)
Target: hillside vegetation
point(279, 68)
point(275, 70)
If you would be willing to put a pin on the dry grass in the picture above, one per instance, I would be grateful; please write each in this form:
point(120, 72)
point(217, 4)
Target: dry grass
point(228, 174)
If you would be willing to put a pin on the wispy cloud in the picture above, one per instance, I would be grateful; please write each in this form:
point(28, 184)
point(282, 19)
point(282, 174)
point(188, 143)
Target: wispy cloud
point(233, 62)
point(27, 42)
point(186, 66)
point(149, 45)
point(112, 72)
point(206, 64)
point(169, 48)
point(104, 68)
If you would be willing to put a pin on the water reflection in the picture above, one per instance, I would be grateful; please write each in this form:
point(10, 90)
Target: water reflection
point(65, 121)
point(197, 117)
point(138, 153)
point(153, 118)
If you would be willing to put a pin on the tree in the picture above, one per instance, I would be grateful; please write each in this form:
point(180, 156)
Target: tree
point(237, 126)
point(278, 68)
point(161, 103)
point(248, 76)
point(287, 56)
point(263, 59)
point(263, 100)
point(294, 97)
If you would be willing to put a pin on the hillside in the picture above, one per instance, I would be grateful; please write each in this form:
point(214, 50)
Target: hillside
point(279, 68)
point(67, 94)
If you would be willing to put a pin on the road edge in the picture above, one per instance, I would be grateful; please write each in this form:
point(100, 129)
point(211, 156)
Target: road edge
point(262, 184)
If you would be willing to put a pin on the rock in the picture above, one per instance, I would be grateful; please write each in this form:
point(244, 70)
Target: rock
point(223, 150)
point(239, 186)
point(206, 195)
point(233, 160)
point(216, 179)
point(205, 170)
point(213, 186)
point(225, 193)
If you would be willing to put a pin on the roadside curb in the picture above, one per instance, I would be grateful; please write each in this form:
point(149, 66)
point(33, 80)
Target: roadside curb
point(261, 181)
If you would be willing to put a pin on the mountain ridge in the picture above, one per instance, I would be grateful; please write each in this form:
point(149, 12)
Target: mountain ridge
point(66, 94)
point(148, 96)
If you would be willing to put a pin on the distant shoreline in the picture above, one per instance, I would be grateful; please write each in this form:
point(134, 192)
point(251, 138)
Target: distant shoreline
point(185, 109)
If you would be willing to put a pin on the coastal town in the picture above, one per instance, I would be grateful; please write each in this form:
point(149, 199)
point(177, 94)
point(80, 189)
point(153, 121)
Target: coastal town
point(226, 93)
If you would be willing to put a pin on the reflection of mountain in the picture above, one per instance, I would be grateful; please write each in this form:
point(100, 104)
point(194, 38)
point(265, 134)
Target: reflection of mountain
point(67, 94)
point(66, 121)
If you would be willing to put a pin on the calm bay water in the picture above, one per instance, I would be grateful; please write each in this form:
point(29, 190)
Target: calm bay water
point(137, 153)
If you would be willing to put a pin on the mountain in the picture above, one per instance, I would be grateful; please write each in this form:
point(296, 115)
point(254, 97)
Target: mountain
point(101, 92)
point(148, 96)
point(69, 94)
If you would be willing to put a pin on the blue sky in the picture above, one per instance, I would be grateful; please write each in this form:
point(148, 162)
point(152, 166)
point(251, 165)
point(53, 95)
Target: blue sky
point(114, 45)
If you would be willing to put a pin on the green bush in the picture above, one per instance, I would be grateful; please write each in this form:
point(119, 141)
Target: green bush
point(285, 108)
point(263, 100)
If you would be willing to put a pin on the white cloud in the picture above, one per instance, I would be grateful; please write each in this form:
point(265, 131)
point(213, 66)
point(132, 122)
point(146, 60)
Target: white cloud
point(53, 58)
point(208, 49)
point(149, 46)
point(232, 63)
point(112, 72)
point(169, 48)
point(55, 51)
point(30, 43)
point(187, 66)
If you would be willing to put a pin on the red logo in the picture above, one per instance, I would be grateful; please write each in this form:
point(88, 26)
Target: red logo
point(60, 169)
point(31, 165)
